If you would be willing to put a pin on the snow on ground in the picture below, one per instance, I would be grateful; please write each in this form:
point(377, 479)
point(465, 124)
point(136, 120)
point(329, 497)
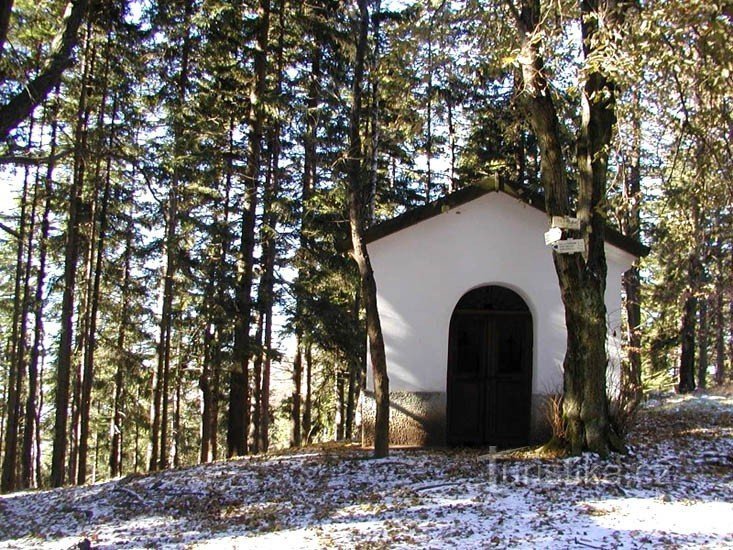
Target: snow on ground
point(674, 489)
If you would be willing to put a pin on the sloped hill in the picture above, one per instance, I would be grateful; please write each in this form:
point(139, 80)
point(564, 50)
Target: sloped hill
point(674, 489)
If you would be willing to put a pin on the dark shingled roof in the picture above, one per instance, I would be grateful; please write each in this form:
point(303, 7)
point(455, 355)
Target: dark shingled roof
point(467, 194)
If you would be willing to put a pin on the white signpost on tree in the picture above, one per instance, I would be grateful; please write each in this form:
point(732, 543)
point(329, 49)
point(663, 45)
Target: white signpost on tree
point(566, 222)
point(554, 237)
point(569, 246)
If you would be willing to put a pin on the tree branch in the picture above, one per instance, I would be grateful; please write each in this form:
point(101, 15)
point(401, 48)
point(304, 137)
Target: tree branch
point(33, 161)
point(20, 106)
point(9, 230)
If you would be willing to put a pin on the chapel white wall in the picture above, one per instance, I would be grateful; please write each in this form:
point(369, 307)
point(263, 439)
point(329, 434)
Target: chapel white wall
point(422, 271)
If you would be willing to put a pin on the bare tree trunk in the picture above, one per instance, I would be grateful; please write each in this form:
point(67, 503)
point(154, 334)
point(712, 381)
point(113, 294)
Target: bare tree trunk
point(267, 240)
point(340, 407)
point(239, 395)
point(719, 313)
point(690, 306)
point(351, 402)
point(374, 114)
point(63, 370)
point(158, 432)
point(295, 438)
point(32, 410)
point(308, 412)
point(91, 337)
point(631, 368)
point(16, 359)
point(38, 449)
point(429, 115)
point(177, 434)
point(308, 188)
point(452, 142)
point(719, 376)
point(206, 396)
point(221, 321)
point(269, 252)
point(265, 417)
point(356, 378)
point(159, 429)
point(357, 214)
point(730, 335)
point(582, 278)
point(687, 338)
point(120, 393)
point(702, 345)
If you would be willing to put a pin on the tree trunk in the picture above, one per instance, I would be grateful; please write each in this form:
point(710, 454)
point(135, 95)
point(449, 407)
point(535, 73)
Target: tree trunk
point(120, 393)
point(340, 407)
point(72, 245)
point(265, 415)
point(295, 437)
point(221, 321)
point(719, 338)
point(177, 422)
point(158, 432)
point(702, 345)
point(429, 116)
point(690, 305)
point(207, 396)
point(269, 253)
point(159, 429)
point(31, 406)
point(16, 360)
point(351, 396)
point(452, 142)
point(374, 114)
point(687, 338)
point(356, 374)
point(91, 337)
point(308, 411)
point(308, 187)
point(730, 334)
point(719, 313)
point(631, 382)
point(239, 397)
point(582, 278)
point(357, 214)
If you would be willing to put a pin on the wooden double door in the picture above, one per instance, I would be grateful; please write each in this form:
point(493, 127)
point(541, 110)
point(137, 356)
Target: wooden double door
point(490, 378)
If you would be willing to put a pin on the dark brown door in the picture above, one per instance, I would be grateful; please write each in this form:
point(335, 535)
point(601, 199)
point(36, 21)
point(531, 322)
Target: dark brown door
point(489, 378)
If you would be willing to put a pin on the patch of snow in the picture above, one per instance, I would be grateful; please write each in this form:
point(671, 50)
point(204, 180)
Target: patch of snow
point(674, 489)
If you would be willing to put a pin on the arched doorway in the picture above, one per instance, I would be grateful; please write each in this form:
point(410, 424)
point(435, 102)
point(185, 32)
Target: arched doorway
point(490, 369)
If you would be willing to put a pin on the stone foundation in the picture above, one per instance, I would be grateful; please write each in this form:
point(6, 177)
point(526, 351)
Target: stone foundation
point(415, 418)
point(418, 419)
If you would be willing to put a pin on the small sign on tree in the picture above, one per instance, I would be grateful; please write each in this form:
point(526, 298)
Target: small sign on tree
point(569, 246)
point(553, 235)
point(566, 222)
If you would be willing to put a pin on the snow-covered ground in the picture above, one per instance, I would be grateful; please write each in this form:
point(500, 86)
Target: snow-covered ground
point(675, 489)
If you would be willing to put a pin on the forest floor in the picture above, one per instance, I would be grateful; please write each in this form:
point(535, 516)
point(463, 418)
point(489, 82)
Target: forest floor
point(674, 489)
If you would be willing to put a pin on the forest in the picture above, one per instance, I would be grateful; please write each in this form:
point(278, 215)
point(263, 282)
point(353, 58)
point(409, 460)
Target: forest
point(180, 177)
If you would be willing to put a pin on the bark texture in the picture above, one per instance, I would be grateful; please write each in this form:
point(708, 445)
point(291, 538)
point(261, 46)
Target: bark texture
point(582, 277)
point(357, 215)
point(239, 394)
